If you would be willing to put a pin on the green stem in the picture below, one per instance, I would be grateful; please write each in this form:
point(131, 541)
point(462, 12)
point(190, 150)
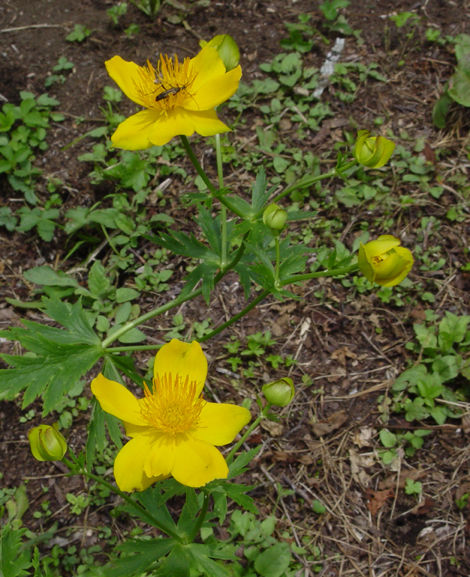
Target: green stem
point(150, 518)
point(238, 316)
point(223, 208)
point(131, 348)
point(166, 307)
point(197, 166)
point(278, 262)
point(248, 432)
point(308, 181)
point(150, 315)
point(218, 155)
point(332, 272)
point(200, 520)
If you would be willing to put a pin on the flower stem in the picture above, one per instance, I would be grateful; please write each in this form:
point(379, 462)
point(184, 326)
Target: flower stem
point(278, 262)
point(223, 208)
point(150, 315)
point(150, 518)
point(332, 272)
point(248, 432)
point(168, 306)
point(307, 181)
point(238, 316)
point(197, 166)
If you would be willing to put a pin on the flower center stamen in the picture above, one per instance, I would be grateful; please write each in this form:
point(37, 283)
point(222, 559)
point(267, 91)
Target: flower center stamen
point(168, 86)
point(173, 406)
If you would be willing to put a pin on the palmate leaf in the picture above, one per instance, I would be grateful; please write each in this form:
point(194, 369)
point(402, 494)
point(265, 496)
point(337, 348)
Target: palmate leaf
point(61, 356)
point(147, 552)
point(14, 559)
point(182, 244)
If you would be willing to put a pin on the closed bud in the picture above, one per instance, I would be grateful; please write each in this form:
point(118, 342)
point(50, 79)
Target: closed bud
point(279, 393)
point(372, 151)
point(47, 444)
point(274, 217)
point(227, 49)
point(383, 261)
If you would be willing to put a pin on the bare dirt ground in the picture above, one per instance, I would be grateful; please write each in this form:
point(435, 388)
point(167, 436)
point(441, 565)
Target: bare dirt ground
point(351, 349)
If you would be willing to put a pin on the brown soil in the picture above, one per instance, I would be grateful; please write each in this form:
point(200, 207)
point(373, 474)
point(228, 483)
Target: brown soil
point(352, 349)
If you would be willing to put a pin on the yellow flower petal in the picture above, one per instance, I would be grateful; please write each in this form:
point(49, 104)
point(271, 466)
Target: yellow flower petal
point(184, 359)
point(395, 267)
point(169, 125)
point(117, 400)
point(134, 132)
point(180, 121)
point(206, 122)
point(220, 424)
point(382, 245)
point(161, 458)
point(129, 465)
point(197, 463)
point(216, 91)
point(127, 76)
point(208, 65)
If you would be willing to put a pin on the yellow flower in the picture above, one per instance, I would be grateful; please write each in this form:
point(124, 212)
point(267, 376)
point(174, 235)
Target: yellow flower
point(372, 151)
point(46, 443)
point(179, 97)
point(173, 429)
point(383, 261)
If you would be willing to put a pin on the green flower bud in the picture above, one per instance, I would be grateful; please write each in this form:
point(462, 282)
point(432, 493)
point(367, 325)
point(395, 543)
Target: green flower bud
point(372, 151)
point(383, 261)
point(274, 217)
point(227, 49)
point(279, 393)
point(47, 444)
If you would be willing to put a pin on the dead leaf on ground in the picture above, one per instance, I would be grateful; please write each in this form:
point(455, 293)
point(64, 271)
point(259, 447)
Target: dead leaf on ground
point(341, 354)
point(286, 457)
point(462, 490)
point(363, 437)
point(332, 423)
point(423, 508)
point(274, 429)
point(358, 464)
point(377, 499)
point(391, 481)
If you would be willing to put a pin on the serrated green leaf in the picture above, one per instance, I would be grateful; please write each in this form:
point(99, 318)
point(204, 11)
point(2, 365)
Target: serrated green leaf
point(205, 565)
point(97, 281)
point(239, 464)
point(14, 560)
point(139, 554)
point(62, 356)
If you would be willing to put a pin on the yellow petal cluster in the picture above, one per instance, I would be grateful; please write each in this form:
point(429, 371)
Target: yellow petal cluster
point(383, 261)
point(372, 151)
point(174, 431)
point(179, 97)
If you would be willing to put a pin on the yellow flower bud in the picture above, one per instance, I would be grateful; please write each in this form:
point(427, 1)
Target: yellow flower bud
point(47, 444)
point(383, 261)
point(275, 217)
point(372, 151)
point(227, 49)
point(279, 393)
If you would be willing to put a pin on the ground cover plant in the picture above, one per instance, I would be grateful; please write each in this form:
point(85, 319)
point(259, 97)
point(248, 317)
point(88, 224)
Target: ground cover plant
point(232, 240)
